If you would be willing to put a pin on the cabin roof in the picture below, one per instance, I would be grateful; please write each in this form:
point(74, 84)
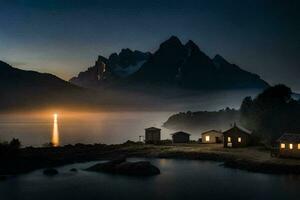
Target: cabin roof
point(212, 131)
point(152, 129)
point(289, 137)
point(180, 133)
point(242, 129)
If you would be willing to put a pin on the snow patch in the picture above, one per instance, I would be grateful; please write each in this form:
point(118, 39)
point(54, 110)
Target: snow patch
point(127, 71)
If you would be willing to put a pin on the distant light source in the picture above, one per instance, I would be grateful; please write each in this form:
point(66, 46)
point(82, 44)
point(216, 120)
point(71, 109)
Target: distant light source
point(282, 145)
point(55, 133)
point(291, 146)
point(55, 115)
point(239, 139)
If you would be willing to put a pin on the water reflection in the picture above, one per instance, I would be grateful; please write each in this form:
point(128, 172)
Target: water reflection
point(55, 133)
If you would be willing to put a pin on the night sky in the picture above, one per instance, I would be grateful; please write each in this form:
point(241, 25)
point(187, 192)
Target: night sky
point(64, 37)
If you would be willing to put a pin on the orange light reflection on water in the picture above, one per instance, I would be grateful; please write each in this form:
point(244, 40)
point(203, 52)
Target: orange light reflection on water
point(55, 132)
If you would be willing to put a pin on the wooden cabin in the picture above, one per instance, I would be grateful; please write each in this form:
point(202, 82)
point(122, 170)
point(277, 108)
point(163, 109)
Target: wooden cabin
point(181, 137)
point(289, 145)
point(152, 135)
point(237, 137)
point(212, 136)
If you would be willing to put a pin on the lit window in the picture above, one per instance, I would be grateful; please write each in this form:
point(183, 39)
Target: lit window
point(207, 138)
point(298, 146)
point(239, 139)
point(229, 139)
point(282, 145)
point(291, 146)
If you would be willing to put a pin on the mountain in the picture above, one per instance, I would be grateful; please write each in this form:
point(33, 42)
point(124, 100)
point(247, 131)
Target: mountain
point(93, 75)
point(163, 65)
point(29, 88)
point(127, 62)
point(233, 75)
point(116, 67)
point(174, 64)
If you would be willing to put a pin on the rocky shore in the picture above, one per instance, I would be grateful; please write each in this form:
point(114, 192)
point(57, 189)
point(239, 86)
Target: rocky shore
point(122, 166)
point(256, 159)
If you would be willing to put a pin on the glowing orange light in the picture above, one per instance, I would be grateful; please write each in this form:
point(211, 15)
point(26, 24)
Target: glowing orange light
point(55, 133)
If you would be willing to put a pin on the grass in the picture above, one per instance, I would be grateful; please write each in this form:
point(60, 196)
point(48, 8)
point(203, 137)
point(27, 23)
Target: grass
point(257, 154)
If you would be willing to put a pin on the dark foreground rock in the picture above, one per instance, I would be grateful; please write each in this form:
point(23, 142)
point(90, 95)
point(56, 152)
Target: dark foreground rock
point(73, 170)
point(141, 168)
point(2, 178)
point(50, 172)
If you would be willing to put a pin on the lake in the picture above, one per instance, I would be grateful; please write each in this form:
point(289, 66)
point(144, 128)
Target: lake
point(179, 179)
point(38, 128)
point(72, 128)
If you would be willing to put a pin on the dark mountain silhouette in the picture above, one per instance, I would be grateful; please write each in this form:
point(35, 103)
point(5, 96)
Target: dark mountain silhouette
point(173, 64)
point(232, 74)
point(19, 88)
point(93, 75)
point(16, 78)
point(163, 65)
point(116, 67)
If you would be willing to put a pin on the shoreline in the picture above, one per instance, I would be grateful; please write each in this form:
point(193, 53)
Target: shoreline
point(252, 159)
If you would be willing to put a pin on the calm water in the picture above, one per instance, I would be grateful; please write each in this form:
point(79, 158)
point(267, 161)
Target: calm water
point(39, 128)
point(71, 128)
point(179, 179)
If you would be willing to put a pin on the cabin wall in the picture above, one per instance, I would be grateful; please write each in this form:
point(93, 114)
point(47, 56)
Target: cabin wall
point(245, 140)
point(152, 136)
point(212, 137)
point(289, 153)
point(181, 139)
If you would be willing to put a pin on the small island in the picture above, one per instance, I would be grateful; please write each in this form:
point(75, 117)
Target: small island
point(121, 166)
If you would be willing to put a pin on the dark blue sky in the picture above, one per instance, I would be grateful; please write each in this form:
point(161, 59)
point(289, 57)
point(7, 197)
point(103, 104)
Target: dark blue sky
point(64, 37)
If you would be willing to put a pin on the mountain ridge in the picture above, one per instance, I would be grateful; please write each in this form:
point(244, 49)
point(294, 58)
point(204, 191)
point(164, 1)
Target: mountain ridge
point(172, 64)
point(22, 88)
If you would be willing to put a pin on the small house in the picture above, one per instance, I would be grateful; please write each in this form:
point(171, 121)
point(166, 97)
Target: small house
point(212, 136)
point(181, 137)
point(237, 137)
point(152, 135)
point(289, 145)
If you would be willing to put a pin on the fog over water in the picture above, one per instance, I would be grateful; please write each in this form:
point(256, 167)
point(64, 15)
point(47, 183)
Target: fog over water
point(70, 127)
